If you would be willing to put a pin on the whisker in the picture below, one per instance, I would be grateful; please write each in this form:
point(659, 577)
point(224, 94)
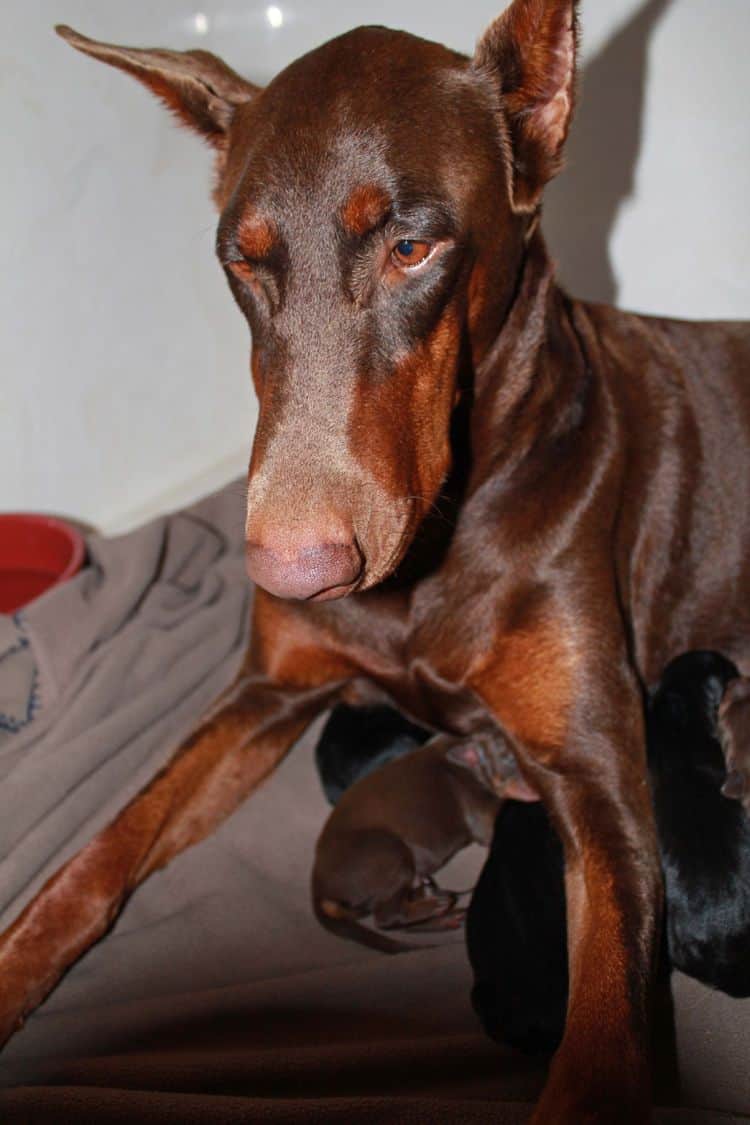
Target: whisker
point(432, 506)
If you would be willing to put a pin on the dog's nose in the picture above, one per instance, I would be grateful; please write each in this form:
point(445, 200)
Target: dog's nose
point(320, 571)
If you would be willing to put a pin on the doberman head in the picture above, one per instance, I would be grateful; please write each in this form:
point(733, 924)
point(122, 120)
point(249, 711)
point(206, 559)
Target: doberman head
point(375, 200)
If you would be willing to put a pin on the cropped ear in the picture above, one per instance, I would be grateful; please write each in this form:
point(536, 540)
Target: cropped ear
point(197, 86)
point(530, 53)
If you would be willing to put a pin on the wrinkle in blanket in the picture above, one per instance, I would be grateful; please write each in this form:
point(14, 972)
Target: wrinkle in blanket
point(119, 663)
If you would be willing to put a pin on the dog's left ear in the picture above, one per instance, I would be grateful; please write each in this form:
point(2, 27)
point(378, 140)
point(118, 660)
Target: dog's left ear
point(197, 86)
point(530, 53)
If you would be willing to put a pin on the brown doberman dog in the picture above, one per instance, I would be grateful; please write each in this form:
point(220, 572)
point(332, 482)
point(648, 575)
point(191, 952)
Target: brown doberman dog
point(394, 828)
point(411, 352)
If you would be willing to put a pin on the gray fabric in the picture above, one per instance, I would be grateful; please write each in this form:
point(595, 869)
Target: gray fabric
point(217, 980)
point(217, 997)
point(713, 1046)
point(127, 655)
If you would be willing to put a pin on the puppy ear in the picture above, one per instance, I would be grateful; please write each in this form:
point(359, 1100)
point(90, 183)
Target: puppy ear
point(197, 86)
point(530, 53)
point(472, 756)
point(518, 789)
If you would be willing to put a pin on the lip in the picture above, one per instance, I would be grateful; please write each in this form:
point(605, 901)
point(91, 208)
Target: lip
point(333, 593)
point(369, 580)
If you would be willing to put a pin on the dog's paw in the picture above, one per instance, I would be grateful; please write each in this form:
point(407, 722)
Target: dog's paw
point(734, 733)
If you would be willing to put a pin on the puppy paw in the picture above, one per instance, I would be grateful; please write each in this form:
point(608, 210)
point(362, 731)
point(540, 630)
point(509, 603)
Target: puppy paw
point(423, 907)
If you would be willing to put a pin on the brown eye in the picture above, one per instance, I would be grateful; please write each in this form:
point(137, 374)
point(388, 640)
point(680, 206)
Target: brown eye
point(410, 252)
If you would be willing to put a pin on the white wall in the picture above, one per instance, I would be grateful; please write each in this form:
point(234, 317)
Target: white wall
point(123, 363)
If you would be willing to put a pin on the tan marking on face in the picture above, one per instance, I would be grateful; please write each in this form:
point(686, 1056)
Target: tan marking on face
point(256, 236)
point(364, 208)
point(530, 682)
point(402, 436)
point(401, 443)
point(477, 300)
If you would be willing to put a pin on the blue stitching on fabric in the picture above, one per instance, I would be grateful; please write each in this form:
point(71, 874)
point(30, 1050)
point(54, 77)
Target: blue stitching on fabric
point(7, 722)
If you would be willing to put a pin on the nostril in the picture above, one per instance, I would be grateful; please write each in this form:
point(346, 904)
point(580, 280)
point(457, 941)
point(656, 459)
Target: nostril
point(330, 566)
point(340, 561)
point(316, 571)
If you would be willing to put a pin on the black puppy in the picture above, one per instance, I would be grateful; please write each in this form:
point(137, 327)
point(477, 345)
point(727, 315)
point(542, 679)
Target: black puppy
point(357, 740)
point(515, 928)
point(704, 837)
point(516, 933)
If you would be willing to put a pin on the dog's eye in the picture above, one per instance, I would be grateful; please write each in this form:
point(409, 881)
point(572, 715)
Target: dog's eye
point(410, 252)
point(253, 279)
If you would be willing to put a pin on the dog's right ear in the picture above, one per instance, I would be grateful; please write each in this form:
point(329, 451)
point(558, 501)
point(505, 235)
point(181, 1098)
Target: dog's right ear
point(197, 86)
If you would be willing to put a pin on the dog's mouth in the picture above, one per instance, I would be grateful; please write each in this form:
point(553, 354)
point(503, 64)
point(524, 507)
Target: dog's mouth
point(335, 592)
point(367, 577)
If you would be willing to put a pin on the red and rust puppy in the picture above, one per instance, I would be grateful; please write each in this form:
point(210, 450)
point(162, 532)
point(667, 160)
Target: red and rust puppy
point(397, 825)
point(379, 204)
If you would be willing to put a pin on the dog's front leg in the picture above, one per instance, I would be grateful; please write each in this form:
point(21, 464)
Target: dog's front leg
point(237, 746)
point(583, 749)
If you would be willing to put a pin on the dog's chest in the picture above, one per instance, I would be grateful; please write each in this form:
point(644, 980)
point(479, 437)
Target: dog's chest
point(422, 646)
point(442, 641)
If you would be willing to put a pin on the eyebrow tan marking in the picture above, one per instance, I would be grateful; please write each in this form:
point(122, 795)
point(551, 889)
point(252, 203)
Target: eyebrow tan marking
point(364, 208)
point(256, 236)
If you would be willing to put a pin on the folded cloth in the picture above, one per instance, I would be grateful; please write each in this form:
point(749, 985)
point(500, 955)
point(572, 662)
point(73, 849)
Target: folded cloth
point(102, 676)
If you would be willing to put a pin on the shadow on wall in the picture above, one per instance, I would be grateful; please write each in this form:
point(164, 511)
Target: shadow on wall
point(602, 152)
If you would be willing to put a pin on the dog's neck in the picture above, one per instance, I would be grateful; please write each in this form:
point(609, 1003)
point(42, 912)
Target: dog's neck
point(530, 388)
point(528, 395)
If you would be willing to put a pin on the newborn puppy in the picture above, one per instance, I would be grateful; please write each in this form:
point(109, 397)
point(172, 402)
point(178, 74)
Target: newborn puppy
point(516, 923)
point(399, 824)
point(704, 836)
point(515, 927)
point(516, 933)
point(357, 740)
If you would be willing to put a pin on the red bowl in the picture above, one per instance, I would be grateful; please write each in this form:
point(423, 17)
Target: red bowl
point(36, 552)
